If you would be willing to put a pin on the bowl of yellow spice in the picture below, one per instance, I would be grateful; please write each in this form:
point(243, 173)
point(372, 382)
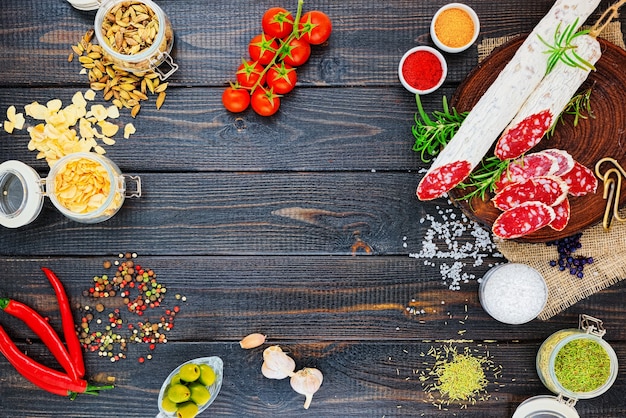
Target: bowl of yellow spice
point(455, 27)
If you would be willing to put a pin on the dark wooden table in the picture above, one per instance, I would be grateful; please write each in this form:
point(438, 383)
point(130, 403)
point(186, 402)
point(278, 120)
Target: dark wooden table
point(299, 226)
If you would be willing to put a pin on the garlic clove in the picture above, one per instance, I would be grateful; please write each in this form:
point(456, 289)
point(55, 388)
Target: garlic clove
point(271, 373)
point(306, 382)
point(279, 361)
point(252, 341)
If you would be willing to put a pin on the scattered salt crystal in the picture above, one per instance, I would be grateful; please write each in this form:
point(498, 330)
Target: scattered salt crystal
point(456, 238)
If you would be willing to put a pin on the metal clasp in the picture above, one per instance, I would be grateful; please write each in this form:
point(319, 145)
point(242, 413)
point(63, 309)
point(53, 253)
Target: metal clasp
point(161, 58)
point(612, 180)
point(566, 401)
point(591, 325)
point(134, 192)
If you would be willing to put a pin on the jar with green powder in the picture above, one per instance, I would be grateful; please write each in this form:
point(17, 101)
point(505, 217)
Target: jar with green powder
point(578, 363)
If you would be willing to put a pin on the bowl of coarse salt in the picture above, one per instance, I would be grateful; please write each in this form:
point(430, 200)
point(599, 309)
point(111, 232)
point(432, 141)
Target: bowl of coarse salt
point(513, 293)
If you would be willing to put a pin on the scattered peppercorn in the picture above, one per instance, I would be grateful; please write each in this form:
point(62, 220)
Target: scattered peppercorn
point(567, 262)
point(110, 331)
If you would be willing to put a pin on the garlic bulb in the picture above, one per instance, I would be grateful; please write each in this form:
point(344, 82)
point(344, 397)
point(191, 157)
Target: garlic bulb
point(277, 364)
point(306, 382)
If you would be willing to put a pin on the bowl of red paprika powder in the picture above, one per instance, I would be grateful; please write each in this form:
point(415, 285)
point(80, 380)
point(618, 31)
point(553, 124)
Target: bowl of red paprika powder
point(455, 27)
point(422, 70)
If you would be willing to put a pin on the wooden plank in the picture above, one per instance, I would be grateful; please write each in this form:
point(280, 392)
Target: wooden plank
point(241, 213)
point(296, 298)
point(350, 129)
point(371, 379)
point(367, 42)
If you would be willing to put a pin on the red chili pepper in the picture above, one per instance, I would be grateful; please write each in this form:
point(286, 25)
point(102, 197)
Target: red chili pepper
point(43, 376)
point(69, 330)
point(44, 331)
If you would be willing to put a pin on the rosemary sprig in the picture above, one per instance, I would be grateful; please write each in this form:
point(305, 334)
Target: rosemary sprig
point(483, 179)
point(579, 106)
point(433, 133)
point(562, 49)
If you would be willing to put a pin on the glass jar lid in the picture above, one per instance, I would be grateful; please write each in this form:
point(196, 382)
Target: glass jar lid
point(21, 198)
point(545, 406)
point(85, 4)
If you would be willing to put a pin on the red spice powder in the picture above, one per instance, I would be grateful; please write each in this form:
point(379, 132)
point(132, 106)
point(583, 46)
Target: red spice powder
point(422, 70)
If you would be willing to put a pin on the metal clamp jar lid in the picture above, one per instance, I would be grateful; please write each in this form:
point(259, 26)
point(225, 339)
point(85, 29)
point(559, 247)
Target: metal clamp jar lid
point(136, 35)
point(85, 187)
point(546, 406)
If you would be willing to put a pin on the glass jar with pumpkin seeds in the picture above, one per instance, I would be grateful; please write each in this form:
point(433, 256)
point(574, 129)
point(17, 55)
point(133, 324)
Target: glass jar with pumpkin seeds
point(85, 187)
point(136, 35)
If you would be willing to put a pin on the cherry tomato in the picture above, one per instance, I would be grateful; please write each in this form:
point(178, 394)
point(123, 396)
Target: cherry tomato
point(265, 102)
point(277, 22)
point(281, 78)
point(296, 52)
point(315, 27)
point(249, 73)
point(262, 49)
point(235, 99)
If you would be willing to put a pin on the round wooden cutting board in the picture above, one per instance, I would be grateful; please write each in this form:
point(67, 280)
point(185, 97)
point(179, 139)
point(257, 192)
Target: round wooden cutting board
point(603, 135)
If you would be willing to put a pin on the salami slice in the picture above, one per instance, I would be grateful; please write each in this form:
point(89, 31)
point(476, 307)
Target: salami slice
point(565, 160)
point(562, 212)
point(550, 190)
point(523, 220)
point(524, 135)
point(580, 180)
point(504, 97)
point(444, 178)
point(527, 167)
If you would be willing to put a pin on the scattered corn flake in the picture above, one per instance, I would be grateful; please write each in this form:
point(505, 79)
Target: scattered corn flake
point(19, 121)
point(108, 128)
point(79, 100)
point(54, 105)
point(82, 71)
point(98, 149)
point(129, 129)
point(90, 94)
point(108, 141)
point(36, 111)
point(113, 112)
point(99, 112)
point(9, 126)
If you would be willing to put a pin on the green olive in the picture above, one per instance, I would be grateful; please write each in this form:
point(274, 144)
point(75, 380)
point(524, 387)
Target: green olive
point(179, 393)
point(168, 405)
point(207, 375)
point(187, 410)
point(199, 393)
point(189, 372)
point(175, 379)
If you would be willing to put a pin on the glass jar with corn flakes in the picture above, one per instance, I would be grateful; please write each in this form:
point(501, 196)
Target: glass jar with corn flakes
point(85, 187)
point(136, 35)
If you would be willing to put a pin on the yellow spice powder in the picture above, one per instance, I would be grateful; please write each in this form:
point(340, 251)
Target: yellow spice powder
point(454, 27)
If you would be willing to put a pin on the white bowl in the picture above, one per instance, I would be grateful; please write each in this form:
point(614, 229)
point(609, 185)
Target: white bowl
point(218, 366)
point(474, 18)
point(442, 61)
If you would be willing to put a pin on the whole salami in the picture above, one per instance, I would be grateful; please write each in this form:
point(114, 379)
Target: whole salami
point(547, 102)
point(503, 99)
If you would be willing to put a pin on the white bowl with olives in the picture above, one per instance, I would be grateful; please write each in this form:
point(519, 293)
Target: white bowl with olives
point(191, 388)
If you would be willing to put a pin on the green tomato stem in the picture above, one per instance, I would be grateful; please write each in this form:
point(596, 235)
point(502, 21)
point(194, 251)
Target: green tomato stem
point(293, 35)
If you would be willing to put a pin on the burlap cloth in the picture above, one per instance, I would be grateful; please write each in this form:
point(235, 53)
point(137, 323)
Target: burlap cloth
point(606, 248)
